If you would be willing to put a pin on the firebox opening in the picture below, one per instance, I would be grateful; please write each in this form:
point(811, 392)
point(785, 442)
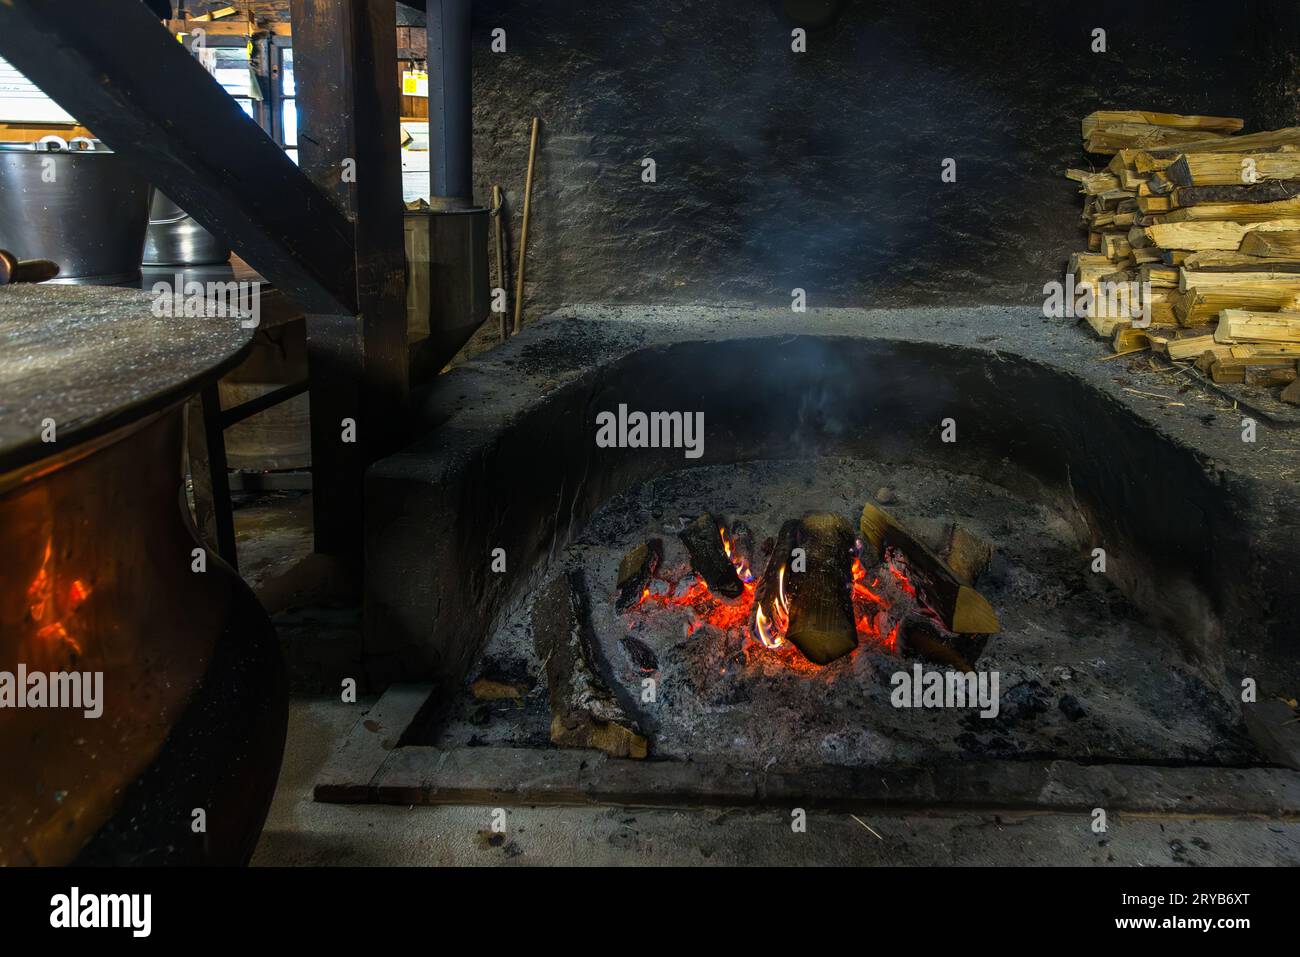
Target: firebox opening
point(1087, 676)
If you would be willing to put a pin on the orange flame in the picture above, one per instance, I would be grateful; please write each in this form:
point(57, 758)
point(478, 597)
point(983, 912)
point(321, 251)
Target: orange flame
point(875, 618)
point(739, 562)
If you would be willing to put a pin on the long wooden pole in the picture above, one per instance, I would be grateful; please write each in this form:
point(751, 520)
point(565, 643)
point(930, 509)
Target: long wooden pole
point(523, 230)
point(498, 237)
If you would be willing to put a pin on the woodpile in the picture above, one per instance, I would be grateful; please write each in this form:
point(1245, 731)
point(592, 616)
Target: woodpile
point(1193, 243)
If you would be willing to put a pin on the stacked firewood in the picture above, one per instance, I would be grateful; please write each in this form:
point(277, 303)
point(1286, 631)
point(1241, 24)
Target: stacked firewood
point(1194, 243)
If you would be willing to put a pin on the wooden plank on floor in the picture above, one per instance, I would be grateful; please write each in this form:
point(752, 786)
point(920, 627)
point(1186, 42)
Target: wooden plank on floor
point(542, 776)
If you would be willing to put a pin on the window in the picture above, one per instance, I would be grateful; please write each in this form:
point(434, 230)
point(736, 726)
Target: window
point(21, 101)
point(231, 66)
point(288, 107)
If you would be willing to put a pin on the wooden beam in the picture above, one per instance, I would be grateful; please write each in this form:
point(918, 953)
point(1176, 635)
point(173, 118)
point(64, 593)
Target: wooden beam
point(345, 62)
point(126, 78)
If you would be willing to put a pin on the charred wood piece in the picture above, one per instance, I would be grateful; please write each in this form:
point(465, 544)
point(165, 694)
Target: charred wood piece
point(703, 540)
point(635, 571)
point(584, 712)
point(641, 655)
point(920, 637)
point(960, 607)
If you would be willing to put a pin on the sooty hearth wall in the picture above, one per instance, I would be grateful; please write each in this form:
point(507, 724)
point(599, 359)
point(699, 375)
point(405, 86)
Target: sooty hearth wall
point(512, 463)
point(821, 170)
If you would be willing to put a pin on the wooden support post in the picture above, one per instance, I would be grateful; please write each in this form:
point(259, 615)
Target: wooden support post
point(345, 59)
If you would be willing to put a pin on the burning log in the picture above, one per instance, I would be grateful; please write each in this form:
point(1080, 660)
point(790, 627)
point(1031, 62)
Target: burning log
point(704, 541)
point(960, 607)
point(807, 600)
point(771, 604)
point(584, 712)
point(821, 603)
point(635, 571)
point(966, 554)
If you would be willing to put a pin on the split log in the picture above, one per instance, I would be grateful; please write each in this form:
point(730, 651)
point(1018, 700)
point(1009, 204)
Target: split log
point(966, 553)
point(1241, 325)
point(1226, 169)
point(1258, 193)
point(961, 608)
point(1189, 347)
point(1200, 304)
point(1291, 394)
point(821, 602)
point(703, 540)
point(1099, 119)
point(635, 571)
point(1237, 212)
point(1276, 243)
point(1215, 260)
point(1209, 235)
point(584, 711)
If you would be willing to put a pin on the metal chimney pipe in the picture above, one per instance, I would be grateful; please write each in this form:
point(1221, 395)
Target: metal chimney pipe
point(451, 183)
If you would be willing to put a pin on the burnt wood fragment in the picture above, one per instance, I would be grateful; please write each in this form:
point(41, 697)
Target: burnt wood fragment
point(641, 655)
point(821, 603)
point(584, 712)
point(961, 608)
point(635, 571)
point(920, 637)
point(703, 540)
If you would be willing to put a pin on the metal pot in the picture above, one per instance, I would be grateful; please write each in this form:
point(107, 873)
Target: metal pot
point(175, 239)
point(97, 578)
point(78, 204)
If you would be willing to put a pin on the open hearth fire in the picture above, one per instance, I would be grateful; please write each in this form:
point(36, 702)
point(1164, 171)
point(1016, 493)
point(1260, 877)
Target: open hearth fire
point(825, 590)
point(645, 637)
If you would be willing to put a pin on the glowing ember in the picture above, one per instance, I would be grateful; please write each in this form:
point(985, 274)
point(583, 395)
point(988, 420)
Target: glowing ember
point(882, 598)
point(708, 608)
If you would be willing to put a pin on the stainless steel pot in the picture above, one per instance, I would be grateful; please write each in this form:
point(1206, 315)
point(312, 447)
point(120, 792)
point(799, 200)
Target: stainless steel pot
point(175, 239)
point(78, 204)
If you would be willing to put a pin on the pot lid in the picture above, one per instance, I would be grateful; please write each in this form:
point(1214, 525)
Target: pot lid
point(95, 358)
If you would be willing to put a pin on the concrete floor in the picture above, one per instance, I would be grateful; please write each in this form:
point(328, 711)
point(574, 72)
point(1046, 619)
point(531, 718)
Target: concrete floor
point(302, 832)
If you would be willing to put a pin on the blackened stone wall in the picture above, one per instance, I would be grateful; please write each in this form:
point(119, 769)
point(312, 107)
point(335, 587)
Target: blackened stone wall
point(822, 170)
